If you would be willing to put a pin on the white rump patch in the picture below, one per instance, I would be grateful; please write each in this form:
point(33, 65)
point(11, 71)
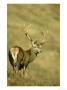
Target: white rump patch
point(14, 52)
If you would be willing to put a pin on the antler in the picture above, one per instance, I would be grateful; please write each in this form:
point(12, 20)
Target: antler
point(26, 30)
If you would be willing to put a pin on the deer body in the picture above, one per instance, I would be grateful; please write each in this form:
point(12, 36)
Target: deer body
point(20, 58)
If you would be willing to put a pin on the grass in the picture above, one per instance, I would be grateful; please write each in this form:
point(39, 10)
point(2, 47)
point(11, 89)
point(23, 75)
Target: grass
point(43, 17)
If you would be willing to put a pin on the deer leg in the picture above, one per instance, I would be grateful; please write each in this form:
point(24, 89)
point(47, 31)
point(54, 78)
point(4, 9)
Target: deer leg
point(24, 70)
point(14, 71)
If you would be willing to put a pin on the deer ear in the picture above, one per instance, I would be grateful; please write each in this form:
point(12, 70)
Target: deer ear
point(43, 42)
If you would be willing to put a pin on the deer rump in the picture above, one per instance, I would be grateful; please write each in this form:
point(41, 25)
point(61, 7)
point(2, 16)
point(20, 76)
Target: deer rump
point(19, 59)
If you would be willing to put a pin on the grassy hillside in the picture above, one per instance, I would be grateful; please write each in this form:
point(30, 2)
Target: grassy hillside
point(35, 18)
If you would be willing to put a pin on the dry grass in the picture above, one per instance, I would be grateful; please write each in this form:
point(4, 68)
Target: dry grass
point(47, 64)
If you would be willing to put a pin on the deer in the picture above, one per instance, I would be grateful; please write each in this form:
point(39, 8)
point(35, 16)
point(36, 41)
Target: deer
point(20, 58)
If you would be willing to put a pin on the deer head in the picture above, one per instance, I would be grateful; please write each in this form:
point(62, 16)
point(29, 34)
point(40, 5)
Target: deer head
point(36, 45)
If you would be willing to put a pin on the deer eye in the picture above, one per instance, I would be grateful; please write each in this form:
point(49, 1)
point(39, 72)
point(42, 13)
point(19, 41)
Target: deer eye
point(35, 42)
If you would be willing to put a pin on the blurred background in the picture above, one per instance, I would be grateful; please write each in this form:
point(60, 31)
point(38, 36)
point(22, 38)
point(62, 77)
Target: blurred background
point(35, 18)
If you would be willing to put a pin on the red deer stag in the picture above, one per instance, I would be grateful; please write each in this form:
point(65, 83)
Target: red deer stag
point(19, 58)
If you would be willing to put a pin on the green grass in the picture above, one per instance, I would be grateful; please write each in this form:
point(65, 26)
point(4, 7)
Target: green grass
point(45, 69)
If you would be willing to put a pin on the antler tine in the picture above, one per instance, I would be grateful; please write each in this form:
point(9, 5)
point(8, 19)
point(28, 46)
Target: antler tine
point(27, 28)
point(43, 41)
point(42, 33)
point(28, 36)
